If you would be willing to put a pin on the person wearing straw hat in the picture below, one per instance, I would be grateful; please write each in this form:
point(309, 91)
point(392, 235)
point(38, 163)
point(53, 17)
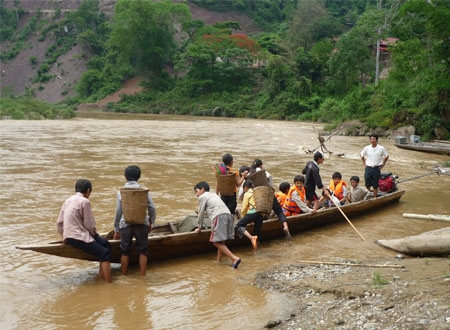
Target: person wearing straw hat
point(76, 224)
point(222, 225)
point(133, 221)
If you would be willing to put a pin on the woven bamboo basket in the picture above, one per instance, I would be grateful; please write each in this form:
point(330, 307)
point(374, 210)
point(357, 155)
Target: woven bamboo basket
point(263, 198)
point(226, 184)
point(258, 178)
point(134, 204)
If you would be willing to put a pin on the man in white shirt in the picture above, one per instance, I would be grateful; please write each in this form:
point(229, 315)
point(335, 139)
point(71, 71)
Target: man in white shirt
point(374, 158)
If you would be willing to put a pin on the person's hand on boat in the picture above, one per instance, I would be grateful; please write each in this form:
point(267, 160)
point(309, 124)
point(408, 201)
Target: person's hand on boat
point(198, 230)
point(116, 235)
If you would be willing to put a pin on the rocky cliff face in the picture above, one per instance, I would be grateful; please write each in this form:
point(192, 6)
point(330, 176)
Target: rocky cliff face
point(16, 74)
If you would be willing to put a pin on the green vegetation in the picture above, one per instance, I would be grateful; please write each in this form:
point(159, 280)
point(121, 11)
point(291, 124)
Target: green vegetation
point(313, 59)
point(378, 279)
point(31, 108)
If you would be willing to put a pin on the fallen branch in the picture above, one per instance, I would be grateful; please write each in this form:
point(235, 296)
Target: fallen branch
point(348, 264)
point(322, 142)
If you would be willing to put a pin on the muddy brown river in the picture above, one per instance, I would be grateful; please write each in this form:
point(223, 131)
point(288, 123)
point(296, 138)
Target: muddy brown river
point(41, 160)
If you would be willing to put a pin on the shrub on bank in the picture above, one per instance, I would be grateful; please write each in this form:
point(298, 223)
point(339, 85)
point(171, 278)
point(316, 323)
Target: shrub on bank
point(30, 108)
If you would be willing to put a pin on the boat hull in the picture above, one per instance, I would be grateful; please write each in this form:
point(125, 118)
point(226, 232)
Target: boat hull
point(435, 148)
point(164, 244)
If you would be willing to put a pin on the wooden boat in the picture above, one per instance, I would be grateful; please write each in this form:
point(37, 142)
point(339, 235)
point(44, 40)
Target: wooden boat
point(174, 240)
point(430, 147)
point(432, 243)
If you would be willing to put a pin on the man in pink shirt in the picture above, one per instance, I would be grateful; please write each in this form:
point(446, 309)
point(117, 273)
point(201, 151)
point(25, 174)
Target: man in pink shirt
point(76, 224)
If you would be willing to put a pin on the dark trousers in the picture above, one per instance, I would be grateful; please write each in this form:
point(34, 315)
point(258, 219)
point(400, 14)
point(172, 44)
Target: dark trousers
point(230, 202)
point(100, 247)
point(256, 218)
point(276, 207)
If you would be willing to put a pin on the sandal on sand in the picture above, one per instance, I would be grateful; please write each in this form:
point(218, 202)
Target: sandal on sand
point(236, 264)
point(255, 242)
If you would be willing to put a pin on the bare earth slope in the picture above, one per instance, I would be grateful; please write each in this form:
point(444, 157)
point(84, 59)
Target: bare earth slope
point(16, 75)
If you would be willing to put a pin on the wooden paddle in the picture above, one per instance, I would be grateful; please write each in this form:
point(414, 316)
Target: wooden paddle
point(339, 208)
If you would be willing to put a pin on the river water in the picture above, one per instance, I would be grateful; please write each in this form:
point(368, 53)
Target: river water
point(41, 160)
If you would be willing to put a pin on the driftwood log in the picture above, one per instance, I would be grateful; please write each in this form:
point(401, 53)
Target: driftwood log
point(431, 243)
point(434, 217)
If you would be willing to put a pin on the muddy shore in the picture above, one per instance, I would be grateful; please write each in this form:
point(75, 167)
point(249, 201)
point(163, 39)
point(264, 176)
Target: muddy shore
point(400, 293)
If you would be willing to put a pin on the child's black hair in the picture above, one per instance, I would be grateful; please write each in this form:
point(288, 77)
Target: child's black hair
point(336, 175)
point(284, 187)
point(248, 184)
point(243, 169)
point(227, 159)
point(299, 178)
point(354, 178)
point(132, 173)
point(201, 185)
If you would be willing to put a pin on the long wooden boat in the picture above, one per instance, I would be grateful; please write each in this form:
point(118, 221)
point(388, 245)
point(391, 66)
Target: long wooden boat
point(177, 239)
point(430, 147)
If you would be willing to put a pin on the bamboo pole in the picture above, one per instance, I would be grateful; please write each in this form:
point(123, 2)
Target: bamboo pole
point(434, 217)
point(339, 208)
point(313, 262)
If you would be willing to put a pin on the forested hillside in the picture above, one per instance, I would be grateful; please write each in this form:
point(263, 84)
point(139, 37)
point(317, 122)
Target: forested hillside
point(382, 62)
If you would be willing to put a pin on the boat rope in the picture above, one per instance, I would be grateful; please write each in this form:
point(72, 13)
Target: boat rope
point(437, 171)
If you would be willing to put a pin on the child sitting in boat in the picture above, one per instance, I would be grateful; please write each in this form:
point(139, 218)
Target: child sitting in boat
point(357, 193)
point(295, 199)
point(281, 195)
point(338, 187)
point(249, 215)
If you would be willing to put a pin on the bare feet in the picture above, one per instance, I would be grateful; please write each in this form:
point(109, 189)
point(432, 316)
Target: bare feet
point(254, 241)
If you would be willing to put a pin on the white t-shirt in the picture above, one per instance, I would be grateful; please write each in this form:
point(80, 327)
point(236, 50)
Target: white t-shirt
point(374, 156)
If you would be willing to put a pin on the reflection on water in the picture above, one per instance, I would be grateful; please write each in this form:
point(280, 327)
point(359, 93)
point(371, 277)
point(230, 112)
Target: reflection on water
point(41, 160)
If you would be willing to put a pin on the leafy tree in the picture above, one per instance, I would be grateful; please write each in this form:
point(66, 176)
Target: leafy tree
point(218, 60)
point(9, 19)
point(144, 32)
point(310, 24)
point(419, 83)
point(350, 65)
point(91, 26)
